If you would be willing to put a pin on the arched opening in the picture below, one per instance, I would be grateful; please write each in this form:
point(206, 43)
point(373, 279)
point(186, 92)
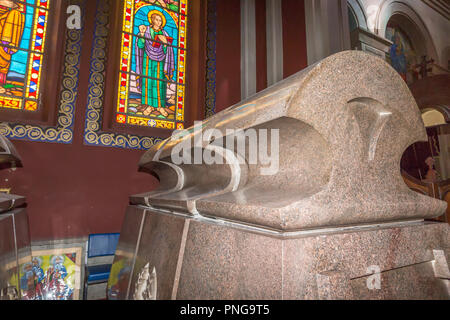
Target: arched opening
point(425, 165)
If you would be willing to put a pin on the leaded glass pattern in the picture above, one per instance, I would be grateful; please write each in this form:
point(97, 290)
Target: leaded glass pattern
point(152, 64)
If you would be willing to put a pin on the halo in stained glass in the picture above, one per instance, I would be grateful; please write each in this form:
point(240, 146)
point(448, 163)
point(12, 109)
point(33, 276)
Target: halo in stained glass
point(23, 28)
point(152, 66)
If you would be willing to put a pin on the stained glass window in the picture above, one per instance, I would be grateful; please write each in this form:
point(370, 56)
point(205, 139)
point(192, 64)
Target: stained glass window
point(152, 64)
point(23, 27)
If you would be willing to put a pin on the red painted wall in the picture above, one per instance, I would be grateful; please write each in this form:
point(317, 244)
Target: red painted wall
point(294, 37)
point(228, 54)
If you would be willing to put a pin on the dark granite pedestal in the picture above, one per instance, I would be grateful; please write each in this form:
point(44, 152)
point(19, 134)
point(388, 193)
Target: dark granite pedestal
point(197, 258)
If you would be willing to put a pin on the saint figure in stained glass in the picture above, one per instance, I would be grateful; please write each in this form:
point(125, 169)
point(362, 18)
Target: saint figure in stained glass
point(12, 23)
point(155, 62)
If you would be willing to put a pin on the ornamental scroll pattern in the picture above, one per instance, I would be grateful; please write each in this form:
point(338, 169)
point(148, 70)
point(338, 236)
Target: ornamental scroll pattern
point(93, 134)
point(63, 131)
point(210, 108)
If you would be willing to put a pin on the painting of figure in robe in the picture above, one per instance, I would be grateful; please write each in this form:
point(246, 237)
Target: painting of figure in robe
point(169, 4)
point(12, 25)
point(154, 62)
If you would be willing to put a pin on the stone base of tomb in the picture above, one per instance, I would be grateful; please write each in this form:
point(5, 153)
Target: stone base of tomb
point(170, 256)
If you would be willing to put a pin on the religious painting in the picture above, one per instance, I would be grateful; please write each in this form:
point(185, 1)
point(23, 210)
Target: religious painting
point(151, 89)
point(422, 159)
point(52, 275)
point(120, 274)
point(23, 26)
point(402, 55)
